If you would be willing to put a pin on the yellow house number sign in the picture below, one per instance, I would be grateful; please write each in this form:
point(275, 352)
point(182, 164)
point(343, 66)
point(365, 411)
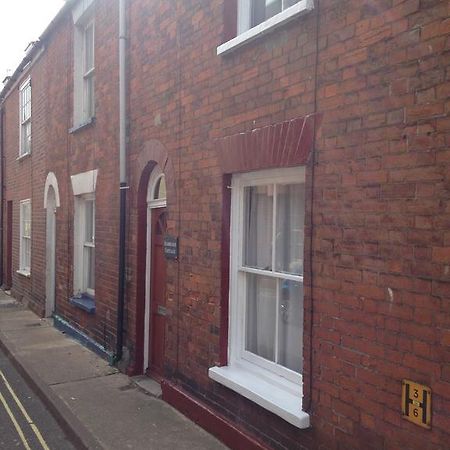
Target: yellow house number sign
point(416, 403)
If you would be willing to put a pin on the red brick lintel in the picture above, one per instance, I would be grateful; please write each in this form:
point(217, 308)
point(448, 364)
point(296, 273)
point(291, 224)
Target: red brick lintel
point(284, 144)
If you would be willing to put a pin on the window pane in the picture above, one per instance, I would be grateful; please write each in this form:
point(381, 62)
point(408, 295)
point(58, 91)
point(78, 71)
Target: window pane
point(160, 189)
point(261, 313)
point(258, 213)
point(273, 7)
point(264, 9)
point(288, 3)
point(26, 219)
point(89, 264)
point(25, 102)
point(89, 48)
point(89, 96)
point(26, 138)
point(26, 253)
point(290, 228)
point(290, 324)
point(89, 221)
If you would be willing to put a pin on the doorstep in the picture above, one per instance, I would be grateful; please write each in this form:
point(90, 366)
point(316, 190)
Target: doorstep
point(148, 385)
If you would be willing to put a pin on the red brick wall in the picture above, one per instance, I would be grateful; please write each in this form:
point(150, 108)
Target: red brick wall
point(56, 150)
point(380, 187)
point(379, 180)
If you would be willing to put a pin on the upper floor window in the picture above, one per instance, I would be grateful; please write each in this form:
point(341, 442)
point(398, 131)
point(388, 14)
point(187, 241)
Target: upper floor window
point(254, 12)
point(88, 71)
point(25, 118)
point(84, 63)
point(257, 17)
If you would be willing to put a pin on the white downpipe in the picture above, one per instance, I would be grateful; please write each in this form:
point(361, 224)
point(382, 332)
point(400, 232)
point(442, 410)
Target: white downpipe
point(122, 173)
point(122, 90)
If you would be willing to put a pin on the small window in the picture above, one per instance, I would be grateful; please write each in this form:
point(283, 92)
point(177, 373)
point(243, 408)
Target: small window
point(25, 236)
point(25, 118)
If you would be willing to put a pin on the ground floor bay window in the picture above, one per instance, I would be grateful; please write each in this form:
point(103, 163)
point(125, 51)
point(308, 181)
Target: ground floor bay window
point(265, 350)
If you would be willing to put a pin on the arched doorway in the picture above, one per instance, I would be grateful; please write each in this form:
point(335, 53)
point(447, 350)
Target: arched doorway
point(155, 275)
point(51, 202)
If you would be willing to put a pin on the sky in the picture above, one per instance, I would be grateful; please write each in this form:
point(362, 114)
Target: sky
point(22, 21)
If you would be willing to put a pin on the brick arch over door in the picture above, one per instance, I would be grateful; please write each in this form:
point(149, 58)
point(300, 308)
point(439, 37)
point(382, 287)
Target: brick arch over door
point(286, 144)
point(53, 182)
point(153, 154)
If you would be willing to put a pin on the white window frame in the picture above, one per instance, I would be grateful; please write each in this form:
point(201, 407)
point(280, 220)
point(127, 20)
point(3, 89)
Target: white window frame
point(272, 386)
point(80, 244)
point(23, 268)
point(84, 105)
point(247, 33)
point(24, 121)
point(88, 74)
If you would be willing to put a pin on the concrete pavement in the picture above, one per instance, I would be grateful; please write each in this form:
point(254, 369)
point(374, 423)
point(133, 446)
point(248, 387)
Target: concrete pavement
point(19, 406)
point(97, 406)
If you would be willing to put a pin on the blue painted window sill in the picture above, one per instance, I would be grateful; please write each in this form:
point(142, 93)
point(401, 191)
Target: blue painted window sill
point(83, 302)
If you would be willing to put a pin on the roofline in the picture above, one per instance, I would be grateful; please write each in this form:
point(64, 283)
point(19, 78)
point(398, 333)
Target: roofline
point(38, 45)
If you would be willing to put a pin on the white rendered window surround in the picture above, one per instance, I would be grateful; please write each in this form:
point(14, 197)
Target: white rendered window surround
point(266, 292)
point(25, 238)
point(83, 187)
point(251, 23)
point(25, 118)
point(84, 63)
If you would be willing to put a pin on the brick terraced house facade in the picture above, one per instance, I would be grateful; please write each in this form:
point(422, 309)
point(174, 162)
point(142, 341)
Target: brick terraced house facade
point(287, 222)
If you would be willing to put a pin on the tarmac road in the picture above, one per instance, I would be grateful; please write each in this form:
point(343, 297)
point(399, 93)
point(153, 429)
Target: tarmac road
point(25, 422)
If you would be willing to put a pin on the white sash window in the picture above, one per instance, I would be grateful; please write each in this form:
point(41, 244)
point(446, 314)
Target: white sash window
point(25, 118)
point(25, 237)
point(265, 358)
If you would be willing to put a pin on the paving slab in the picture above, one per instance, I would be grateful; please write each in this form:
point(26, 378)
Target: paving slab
point(98, 406)
point(145, 422)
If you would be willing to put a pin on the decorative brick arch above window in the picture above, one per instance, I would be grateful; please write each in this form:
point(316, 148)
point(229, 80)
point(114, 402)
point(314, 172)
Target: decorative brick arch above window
point(285, 144)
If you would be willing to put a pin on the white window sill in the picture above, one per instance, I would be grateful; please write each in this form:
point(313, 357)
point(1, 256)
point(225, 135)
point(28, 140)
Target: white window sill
point(24, 273)
point(86, 123)
point(21, 157)
point(284, 402)
point(288, 14)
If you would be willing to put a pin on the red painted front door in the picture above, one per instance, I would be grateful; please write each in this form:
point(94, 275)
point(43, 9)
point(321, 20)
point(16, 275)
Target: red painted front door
point(157, 293)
